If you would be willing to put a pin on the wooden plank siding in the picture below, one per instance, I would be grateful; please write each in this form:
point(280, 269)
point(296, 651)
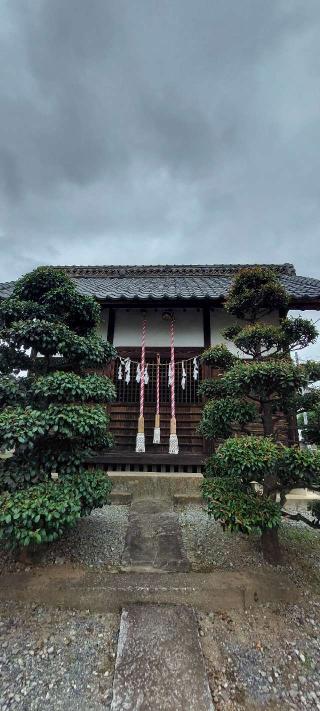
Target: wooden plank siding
point(124, 420)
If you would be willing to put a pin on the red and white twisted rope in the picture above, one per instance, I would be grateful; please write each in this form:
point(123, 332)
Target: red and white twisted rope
point(158, 386)
point(172, 369)
point(143, 363)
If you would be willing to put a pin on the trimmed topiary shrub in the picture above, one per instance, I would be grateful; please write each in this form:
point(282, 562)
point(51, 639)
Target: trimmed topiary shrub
point(54, 414)
point(41, 513)
point(260, 389)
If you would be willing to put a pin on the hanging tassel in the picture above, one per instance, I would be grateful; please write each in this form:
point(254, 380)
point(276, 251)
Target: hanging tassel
point(184, 376)
point(140, 441)
point(156, 431)
point(173, 441)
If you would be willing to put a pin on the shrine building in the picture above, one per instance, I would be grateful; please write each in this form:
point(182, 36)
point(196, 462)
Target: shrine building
point(160, 319)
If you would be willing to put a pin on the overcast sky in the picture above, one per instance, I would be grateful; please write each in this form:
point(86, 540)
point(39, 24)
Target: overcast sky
point(159, 131)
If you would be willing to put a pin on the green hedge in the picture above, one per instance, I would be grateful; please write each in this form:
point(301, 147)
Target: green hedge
point(41, 513)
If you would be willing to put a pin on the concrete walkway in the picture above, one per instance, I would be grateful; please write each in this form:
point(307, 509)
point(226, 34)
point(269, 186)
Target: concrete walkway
point(159, 664)
point(153, 540)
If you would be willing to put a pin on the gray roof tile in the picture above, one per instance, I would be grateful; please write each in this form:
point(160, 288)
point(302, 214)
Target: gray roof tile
point(173, 282)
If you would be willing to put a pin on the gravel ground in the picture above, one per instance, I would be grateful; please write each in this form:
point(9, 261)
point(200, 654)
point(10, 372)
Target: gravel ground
point(208, 546)
point(56, 658)
point(267, 658)
point(96, 540)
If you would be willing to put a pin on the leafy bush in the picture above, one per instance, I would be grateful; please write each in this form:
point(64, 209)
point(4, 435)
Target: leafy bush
point(218, 357)
point(81, 316)
point(247, 458)
point(39, 514)
point(267, 378)
point(11, 391)
point(93, 487)
point(219, 417)
point(238, 508)
point(256, 290)
point(66, 387)
point(34, 285)
point(25, 426)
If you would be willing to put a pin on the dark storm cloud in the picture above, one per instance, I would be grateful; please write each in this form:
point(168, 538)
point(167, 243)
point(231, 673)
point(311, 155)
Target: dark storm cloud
point(147, 131)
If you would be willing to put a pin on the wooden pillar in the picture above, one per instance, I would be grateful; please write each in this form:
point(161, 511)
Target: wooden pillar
point(111, 324)
point(206, 326)
point(206, 372)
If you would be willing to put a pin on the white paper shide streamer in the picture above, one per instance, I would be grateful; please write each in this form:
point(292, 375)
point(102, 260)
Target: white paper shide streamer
point(184, 376)
point(195, 369)
point(124, 364)
point(127, 366)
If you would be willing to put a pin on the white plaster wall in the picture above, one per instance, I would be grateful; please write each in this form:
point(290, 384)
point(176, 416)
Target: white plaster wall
point(188, 328)
point(221, 319)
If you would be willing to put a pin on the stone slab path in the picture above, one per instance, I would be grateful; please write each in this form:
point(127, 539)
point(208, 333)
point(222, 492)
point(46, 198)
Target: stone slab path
point(159, 665)
point(153, 539)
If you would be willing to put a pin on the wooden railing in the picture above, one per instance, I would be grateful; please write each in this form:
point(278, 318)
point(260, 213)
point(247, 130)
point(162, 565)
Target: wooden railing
point(129, 392)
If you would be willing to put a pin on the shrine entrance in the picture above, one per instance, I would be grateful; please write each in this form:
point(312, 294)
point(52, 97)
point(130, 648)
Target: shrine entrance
point(188, 402)
point(187, 376)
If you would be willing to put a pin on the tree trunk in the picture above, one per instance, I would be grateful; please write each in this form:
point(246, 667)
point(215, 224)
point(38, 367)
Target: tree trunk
point(271, 546)
point(270, 536)
point(267, 421)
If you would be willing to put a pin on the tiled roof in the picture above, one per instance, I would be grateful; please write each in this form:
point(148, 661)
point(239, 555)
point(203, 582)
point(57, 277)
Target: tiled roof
point(121, 283)
point(165, 270)
point(6, 289)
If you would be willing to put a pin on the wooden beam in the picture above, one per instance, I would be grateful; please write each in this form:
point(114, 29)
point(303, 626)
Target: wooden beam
point(111, 324)
point(206, 326)
point(163, 304)
point(127, 457)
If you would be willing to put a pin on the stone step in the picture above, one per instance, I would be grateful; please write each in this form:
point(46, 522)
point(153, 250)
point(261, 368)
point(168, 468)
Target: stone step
point(184, 499)
point(159, 661)
point(167, 485)
point(101, 591)
point(120, 498)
